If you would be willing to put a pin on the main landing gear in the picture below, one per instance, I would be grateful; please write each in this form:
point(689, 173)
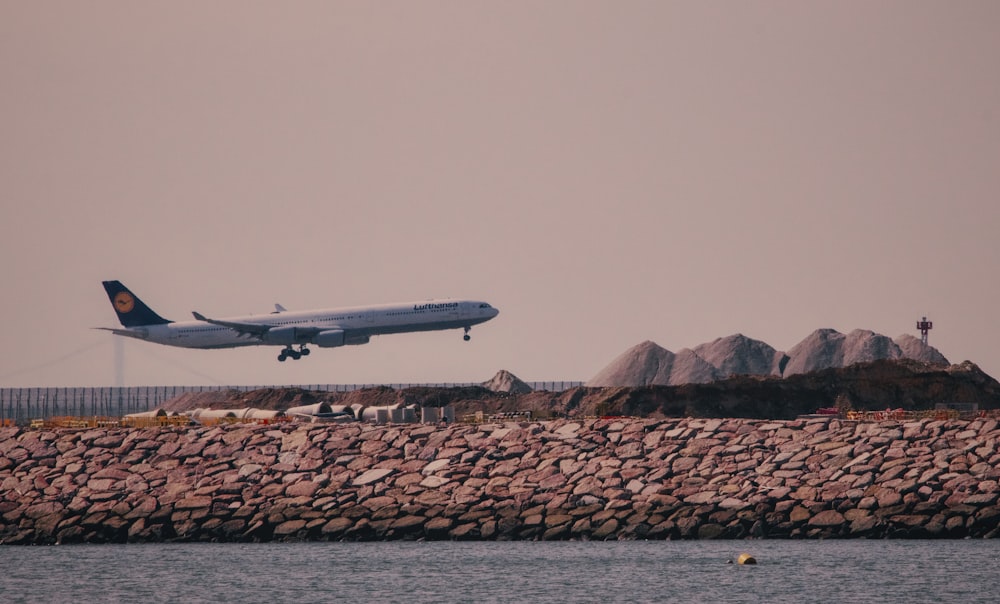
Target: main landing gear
point(289, 352)
point(467, 337)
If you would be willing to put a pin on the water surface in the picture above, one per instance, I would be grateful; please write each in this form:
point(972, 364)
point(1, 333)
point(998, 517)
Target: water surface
point(485, 572)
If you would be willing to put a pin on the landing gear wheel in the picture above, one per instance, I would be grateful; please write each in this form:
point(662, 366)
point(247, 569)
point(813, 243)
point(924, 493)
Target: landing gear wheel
point(467, 337)
point(304, 351)
point(282, 357)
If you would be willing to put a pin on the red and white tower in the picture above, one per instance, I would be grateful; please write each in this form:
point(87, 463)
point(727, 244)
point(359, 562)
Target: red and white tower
point(924, 326)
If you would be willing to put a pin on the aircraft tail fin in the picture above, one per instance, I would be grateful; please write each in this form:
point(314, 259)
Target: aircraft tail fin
point(132, 312)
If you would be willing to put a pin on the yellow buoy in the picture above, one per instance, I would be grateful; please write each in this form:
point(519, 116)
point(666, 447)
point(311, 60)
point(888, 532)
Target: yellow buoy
point(746, 559)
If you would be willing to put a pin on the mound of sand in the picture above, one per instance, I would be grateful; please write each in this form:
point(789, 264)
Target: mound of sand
point(505, 381)
point(826, 348)
point(650, 364)
point(642, 365)
point(740, 355)
point(913, 348)
point(690, 368)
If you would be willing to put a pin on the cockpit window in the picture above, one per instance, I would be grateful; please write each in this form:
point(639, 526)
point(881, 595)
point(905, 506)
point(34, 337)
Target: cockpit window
point(484, 305)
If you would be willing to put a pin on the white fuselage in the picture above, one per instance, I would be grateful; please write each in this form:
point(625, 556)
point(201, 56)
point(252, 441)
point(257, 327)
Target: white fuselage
point(357, 323)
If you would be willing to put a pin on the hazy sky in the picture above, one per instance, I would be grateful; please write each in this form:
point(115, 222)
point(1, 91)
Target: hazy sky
point(603, 172)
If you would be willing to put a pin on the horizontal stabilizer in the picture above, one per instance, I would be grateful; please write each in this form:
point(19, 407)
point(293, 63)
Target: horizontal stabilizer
point(140, 334)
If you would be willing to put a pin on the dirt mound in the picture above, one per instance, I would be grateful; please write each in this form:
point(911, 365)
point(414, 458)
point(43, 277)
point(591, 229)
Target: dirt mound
point(690, 368)
point(264, 398)
point(901, 383)
point(739, 355)
point(862, 346)
point(822, 349)
point(644, 364)
point(505, 381)
point(914, 348)
point(649, 364)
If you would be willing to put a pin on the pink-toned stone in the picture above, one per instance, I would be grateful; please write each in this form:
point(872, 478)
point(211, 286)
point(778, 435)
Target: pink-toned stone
point(304, 488)
point(827, 518)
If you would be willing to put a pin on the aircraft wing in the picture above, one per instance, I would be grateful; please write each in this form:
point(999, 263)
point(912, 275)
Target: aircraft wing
point(243, 329)
point(258, 330)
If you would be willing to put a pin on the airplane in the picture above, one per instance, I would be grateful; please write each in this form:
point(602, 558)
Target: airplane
point(325, 328)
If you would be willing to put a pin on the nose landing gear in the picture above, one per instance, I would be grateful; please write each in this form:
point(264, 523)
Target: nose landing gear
point(467, 337)
point(289, 352)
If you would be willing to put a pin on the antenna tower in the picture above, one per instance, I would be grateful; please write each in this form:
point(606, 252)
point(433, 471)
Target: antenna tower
point(924, 326)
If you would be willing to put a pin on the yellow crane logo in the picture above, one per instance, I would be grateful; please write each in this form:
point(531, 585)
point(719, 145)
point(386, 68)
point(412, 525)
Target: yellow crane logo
point(124, 302)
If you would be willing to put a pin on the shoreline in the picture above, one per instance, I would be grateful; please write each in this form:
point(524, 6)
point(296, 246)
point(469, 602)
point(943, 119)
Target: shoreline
point(594, 479)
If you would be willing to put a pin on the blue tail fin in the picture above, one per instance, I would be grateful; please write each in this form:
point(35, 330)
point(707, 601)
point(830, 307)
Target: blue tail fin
point(131, 310)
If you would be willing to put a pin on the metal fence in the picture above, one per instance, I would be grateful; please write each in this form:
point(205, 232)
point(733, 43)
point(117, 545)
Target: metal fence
point(21, 405)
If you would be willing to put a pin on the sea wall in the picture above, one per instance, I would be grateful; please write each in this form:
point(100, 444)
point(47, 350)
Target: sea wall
point(592, 479)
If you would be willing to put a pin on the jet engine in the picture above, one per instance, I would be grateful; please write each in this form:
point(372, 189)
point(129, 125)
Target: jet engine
point(285, 335)
point(329, 338)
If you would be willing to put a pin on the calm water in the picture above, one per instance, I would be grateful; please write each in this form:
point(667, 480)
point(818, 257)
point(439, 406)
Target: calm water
point(787, 571)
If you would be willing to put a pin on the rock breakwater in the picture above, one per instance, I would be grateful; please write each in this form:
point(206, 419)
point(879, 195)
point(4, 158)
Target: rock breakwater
point(587, 479)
